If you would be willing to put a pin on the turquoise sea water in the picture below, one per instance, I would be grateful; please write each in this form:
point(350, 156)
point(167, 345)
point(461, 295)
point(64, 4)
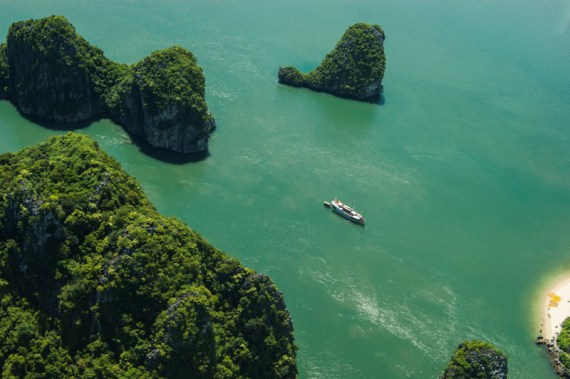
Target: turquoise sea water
point(463, 171)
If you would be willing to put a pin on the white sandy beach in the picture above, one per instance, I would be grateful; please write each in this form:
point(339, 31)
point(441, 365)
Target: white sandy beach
point(552, 317)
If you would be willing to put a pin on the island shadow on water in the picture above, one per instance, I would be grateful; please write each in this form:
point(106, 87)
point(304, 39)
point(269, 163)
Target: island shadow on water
point(381, 99)
point(377, 100)
point(166, 155)
point(58, 126)
point(158, 153)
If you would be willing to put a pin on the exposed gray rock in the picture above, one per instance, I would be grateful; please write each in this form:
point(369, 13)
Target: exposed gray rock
point(170, 127)
point(48, 78)
point(50, 72)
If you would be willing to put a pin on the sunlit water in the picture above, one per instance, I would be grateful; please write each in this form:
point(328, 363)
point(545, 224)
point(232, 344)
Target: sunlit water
point(463, 171)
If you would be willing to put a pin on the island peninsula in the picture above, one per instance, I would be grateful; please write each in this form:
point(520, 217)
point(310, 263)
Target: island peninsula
point(50, 72)
point(353, 69)
point(95, 283)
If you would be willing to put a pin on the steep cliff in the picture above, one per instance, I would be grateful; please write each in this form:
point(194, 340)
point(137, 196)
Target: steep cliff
point(95, 283)
point(476, 359)
point(161, 98)
point(51, 72)
point(54, 73)
point(4, 74)
point(354, 69)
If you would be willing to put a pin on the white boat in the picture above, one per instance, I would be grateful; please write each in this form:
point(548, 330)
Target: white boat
point(347, 212)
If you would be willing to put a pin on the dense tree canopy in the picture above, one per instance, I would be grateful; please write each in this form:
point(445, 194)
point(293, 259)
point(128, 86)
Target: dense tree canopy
point(476, 359)
point(165, 79)
point(95, 283)
point(49, 71)
point(4, 73)
point(46, 57)
point(354, 68)
point(563, 342)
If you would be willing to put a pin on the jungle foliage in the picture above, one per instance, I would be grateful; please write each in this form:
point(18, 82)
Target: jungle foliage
point(166, 78)
point(356, 63)
point(54, 41)
point(95, 283)
point(79, 73)
point(476, 359)
point(4, 72)
point(563, 342)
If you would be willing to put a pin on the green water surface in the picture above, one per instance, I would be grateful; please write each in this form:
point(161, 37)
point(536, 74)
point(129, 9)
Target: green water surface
point(463, 169)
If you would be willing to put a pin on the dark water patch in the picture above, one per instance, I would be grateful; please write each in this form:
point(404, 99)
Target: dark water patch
point(161, 154)
point(166, 155)
point(378, 100)
point(59, 126)
point(381, 99)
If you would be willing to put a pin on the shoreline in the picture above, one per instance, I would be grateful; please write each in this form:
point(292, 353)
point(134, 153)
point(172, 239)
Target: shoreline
point(555, 309)
point(553, 316)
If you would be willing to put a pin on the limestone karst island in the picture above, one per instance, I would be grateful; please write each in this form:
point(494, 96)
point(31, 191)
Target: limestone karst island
point(50, 72)
point(354, 68)
point(96, 283)
point(249, 189)
point(476, 359)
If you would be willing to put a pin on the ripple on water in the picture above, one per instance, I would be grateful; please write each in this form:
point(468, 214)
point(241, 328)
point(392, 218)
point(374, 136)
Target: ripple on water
point(113, 139)
point(401, 316)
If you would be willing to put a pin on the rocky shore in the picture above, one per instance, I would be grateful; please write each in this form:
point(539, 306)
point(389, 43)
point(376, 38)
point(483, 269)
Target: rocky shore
point(555, 357)
point(554, 333)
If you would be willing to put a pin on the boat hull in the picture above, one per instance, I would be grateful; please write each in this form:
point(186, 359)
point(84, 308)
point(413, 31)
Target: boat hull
point(354, 217)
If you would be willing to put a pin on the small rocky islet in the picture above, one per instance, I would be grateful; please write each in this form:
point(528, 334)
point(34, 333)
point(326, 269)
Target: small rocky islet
point(50, 72)
point(95, 283)
point(353, 69)
point(476, 359)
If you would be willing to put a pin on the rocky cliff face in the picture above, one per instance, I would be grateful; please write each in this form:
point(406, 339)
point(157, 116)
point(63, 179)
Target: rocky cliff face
point(476, 359)
point(559, 360)
point(49, 75)
point(47, 70)
point(166, 128)
point(4, 73)
point(354, 69)
point(95, 283)
point(162, 100)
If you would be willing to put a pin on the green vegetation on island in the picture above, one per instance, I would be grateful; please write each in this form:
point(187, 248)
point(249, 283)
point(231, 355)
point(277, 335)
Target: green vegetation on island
point(164, 89)
point(560, 351)
point(354, 68)
point(476, 359)
point(49, 71)
point(95, 283)
point(3, 72)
